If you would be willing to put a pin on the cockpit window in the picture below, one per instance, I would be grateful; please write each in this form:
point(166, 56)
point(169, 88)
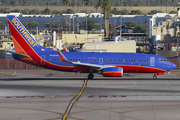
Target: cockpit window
point(163, 60)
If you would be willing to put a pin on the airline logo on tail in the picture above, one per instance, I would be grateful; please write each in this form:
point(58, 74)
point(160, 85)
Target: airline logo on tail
point(23, 31)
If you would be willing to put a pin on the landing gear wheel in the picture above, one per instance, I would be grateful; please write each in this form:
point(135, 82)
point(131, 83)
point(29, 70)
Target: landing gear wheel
point(90, 76)
point(154, 77)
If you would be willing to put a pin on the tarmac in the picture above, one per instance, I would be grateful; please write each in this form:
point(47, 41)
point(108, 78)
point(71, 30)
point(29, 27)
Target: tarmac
point(41, 94)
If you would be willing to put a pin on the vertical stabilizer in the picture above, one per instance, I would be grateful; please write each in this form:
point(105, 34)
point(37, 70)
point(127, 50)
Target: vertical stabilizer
point(22, 39)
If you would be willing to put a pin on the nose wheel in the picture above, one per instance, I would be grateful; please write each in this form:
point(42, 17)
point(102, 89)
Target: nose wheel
point(90, 76)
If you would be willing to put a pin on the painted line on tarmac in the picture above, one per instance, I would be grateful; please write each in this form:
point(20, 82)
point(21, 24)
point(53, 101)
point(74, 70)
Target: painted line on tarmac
point(73, 100)
point(76, 97)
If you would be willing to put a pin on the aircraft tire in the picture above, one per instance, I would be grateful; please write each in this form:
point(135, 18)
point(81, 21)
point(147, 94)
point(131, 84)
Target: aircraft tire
point(90, 76)
point(154, 77)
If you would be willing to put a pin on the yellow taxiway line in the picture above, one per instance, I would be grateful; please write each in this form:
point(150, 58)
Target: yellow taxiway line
point(74, 99)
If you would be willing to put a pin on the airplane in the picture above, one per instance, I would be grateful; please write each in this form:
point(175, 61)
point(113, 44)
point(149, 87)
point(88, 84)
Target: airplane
point(107, 64)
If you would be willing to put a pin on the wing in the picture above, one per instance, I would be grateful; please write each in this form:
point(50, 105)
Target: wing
point(81, 65)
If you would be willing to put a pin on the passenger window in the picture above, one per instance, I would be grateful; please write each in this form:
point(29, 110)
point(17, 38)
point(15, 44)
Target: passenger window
point(49, 59)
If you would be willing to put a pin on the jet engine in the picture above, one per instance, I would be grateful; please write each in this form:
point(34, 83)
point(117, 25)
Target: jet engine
point(113, 72)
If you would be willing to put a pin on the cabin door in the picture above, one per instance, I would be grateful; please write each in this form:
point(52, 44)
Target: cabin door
point(43, 59)
point(152, 61)
point(100, 60)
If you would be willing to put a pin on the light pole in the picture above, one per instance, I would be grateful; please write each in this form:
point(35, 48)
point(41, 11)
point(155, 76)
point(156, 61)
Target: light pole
point(140, 19)
point(120, 26)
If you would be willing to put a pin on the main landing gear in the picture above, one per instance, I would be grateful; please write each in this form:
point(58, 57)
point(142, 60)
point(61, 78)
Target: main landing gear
point(155, 75)
point(90, 76)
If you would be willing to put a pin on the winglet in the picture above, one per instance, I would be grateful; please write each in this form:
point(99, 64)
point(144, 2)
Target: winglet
point(62, 57)
point(65, 49)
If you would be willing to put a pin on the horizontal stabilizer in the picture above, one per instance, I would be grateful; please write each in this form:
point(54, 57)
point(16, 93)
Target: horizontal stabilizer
point(18, 54)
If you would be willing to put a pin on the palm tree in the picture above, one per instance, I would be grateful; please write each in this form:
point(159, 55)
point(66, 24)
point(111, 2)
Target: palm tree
point(96, 7)
point(100, 4)
point(86, 2)
point(73, 4)
point(174, 1)
point(66, 2)
point(47, 10)
point(47, 4)
point(106, 7)
point(115, 11)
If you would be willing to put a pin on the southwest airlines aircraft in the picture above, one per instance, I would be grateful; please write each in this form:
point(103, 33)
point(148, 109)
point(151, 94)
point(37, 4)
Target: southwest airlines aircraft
point(107, 64)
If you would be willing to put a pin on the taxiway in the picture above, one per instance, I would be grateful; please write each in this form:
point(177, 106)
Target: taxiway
point(45, 95)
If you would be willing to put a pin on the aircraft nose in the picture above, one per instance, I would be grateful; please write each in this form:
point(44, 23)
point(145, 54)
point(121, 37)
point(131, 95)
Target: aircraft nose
point(172, 65)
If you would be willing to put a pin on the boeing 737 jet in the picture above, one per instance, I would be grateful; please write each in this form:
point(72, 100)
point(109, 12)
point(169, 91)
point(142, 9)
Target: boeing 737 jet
point(107, 64)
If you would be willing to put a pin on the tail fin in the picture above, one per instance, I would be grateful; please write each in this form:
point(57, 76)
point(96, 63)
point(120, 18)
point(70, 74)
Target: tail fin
point(23, 41)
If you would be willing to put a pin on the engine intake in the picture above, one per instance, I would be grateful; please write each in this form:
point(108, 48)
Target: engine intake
point(113, 72)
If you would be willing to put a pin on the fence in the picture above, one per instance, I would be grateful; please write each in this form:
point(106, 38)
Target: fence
point(14, 64)
point(175, 61)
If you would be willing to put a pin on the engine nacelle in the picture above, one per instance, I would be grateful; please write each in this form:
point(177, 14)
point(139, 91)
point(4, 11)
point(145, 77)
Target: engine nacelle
point(113, 72)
